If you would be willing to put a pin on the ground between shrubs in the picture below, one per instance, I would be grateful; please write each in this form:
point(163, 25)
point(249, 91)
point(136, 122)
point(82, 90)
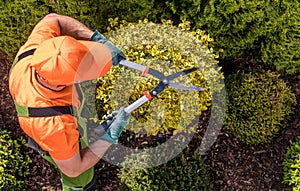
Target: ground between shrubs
point(233, 165)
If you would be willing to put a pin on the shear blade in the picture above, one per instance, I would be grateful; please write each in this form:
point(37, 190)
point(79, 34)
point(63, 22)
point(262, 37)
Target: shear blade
point(183, 73)
point(181, 86)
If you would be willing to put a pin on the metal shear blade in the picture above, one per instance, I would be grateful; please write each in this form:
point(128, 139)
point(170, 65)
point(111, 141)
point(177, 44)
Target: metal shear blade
point(181, 86)
point(166, 80)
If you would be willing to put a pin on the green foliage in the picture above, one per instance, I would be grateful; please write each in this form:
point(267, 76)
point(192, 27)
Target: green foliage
point(14, 162)
point(281, 45)
point(291, 166)
point(91, 13)
point(190, 10)
point(16, 22)
point(236, 25)
point(258, 105)
point(131, 11)
point(186, 171)
point(266, 31)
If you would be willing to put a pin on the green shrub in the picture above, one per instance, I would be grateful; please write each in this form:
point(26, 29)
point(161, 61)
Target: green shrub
point(186, 171)
point(266, 31)
point(281, 45)
point(171, 106)
point(14, 162)
point(258, 105)
point(291, 166)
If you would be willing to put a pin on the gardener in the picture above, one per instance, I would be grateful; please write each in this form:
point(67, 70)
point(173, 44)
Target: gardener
point(59, 53)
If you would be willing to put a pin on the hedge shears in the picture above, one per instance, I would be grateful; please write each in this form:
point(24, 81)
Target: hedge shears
point(165, 81)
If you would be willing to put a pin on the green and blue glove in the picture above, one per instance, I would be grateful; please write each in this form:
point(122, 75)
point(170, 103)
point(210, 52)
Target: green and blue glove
point(120, 120)
point(116, 53)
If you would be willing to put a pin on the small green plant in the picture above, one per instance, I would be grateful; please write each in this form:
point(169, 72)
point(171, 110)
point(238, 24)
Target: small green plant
point(187, 171)
point(291, 166)
point(14, 162)
point(258, 105)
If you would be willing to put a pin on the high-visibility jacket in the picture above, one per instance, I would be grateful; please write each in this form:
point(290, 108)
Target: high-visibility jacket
point(56, 134)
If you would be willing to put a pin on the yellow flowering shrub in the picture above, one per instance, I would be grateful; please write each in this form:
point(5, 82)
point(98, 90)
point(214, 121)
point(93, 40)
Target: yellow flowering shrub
point(168, 49)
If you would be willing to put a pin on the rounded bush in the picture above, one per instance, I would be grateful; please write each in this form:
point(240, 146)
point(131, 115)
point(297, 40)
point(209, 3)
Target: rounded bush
point(258, 105)
point(186, 171)
point(291, 166)
point(14, 162)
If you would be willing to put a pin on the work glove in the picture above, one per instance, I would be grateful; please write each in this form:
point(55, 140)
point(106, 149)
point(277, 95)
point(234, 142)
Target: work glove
point(119, 120)
point(116, 53)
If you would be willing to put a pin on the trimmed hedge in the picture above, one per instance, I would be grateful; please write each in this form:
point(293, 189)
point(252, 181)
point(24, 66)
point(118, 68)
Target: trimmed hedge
point(258, 106)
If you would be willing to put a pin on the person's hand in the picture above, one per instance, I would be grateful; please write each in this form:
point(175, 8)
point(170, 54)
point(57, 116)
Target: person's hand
point(116, 53)
point(121, 119)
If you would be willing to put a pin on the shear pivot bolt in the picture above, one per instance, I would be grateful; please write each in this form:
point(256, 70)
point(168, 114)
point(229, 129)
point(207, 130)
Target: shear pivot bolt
point(165, 81)
point(154, 93)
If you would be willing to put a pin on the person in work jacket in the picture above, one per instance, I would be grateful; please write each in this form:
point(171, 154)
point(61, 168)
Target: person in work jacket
point(60, 52)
